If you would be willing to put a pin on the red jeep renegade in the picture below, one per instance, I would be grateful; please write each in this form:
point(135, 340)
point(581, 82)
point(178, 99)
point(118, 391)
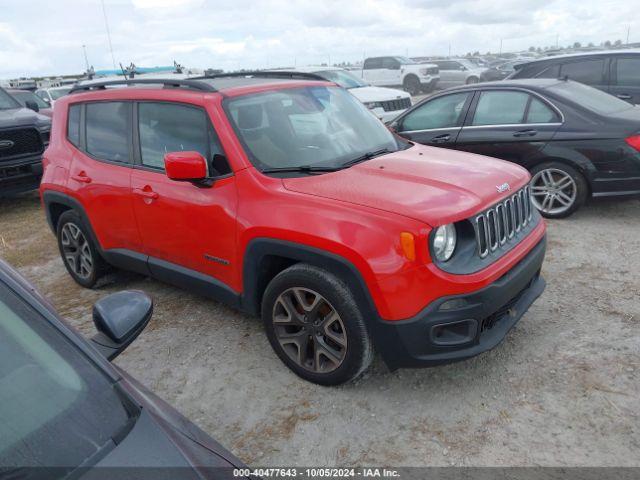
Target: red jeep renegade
point(287, 198)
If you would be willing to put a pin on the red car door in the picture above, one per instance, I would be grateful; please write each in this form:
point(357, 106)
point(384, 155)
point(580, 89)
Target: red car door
point(100, 171)
point(189, 226)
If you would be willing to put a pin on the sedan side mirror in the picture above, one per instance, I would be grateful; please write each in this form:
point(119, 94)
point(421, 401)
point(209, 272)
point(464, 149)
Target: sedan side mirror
point(119, 319)
point(30, 104)
point(185, 166)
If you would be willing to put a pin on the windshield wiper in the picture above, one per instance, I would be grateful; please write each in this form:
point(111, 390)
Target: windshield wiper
point(366, 156)
point(301, 168)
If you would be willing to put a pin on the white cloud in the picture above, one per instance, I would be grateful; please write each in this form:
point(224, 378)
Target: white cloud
point(233, 34)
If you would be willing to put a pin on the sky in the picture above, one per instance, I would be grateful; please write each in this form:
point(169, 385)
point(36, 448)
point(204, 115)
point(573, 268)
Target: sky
point(45, 37)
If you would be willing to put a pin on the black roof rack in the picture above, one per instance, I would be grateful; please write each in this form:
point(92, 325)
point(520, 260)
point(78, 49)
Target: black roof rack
point(283, 74)
point(166, 82)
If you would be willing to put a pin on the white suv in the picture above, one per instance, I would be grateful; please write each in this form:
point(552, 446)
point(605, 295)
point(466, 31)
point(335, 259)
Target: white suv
point(384, 103)
point(400, 72)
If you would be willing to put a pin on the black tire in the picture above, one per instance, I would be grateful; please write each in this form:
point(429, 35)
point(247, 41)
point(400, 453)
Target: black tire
point(580, 187)
point(472, 80)
point(84, 273)
point(358, 351)
point(412, 85)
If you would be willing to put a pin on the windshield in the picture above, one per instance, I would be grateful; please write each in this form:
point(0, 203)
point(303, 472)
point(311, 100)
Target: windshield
point(6, 101)
point(24, 97)
point(468, 64)
point(57, 409)
point(405, 61)
point(343, 78)
point(590, 98)
point(311, 126)
point(56, 93)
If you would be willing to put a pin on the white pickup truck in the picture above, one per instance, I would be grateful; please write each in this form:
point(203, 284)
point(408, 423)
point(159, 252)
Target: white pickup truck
point(400, 72)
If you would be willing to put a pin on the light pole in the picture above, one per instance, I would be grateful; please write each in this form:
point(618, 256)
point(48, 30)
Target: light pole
point(86, 60)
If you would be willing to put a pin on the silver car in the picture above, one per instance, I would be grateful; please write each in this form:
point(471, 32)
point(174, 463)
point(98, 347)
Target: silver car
point(458, 71)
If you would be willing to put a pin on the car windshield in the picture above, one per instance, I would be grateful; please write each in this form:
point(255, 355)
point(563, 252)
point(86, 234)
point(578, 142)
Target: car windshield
point(23, 97)
point(590, 98)
point(310, 126)
point(405, 61)
point(6, 101)
point(468, 64)
point(56, 93)
point(343, 78)
point(57, 409)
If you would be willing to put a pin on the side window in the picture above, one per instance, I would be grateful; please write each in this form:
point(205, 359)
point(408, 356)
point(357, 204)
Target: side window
point(539, 112)
point(443, 112)
point(169, 127)
point(107, 125)
point(551, 72)
point(390, 63)
point(372, 63)
point(588, 72)
point(500, 108)
point(628, 72)
point(73, 124)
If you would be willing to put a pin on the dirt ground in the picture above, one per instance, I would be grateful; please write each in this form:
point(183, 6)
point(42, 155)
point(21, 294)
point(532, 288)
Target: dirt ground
point(563, 389)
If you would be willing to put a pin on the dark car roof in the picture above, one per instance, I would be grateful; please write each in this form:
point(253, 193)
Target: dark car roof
point(560, 58)
point(531, 83)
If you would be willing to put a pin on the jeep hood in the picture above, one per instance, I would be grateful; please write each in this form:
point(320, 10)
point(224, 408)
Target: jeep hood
point(432, 185)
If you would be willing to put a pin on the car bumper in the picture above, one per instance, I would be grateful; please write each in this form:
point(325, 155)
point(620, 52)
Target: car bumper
point(458, 327)
point(429, 83)
point(22, 176)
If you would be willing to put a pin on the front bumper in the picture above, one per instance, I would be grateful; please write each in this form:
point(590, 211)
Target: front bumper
point(458, 327)
point(20, 176)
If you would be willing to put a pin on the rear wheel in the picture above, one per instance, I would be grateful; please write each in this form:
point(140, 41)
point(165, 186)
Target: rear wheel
point(314, 325)
point(472, 80)
point(557, 190)
point(412, 85)
point(79, 254)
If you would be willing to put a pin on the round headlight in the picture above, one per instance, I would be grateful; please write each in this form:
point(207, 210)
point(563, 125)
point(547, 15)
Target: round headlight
point(444, 242)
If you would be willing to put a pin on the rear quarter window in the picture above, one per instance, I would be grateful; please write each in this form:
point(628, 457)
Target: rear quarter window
point(73, 125)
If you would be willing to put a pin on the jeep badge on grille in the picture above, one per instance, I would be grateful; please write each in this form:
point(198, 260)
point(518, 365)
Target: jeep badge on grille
point(505, 187)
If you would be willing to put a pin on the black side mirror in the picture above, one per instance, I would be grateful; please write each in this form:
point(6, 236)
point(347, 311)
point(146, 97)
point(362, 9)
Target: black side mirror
point(119, 319)
point(32, 105)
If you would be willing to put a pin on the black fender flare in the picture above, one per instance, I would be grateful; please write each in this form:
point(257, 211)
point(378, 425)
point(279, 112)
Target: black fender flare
point(51, 197)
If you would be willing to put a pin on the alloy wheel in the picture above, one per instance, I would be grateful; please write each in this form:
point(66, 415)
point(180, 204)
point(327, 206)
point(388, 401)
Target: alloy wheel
point(309, 330)
point(76, 250)
point(553, 191)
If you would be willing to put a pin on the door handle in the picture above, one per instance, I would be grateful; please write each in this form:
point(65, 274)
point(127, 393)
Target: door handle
point(81, 177)
point(526, 133)
point(441, 138)
point(146, 193)
point(624, 96)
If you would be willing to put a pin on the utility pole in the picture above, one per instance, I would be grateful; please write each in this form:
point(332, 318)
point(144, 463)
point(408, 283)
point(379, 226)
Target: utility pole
point(628, 30)
point(449, 50)
point(557, 40)
point(500, 46)
point(106, 24)
point(86, 60)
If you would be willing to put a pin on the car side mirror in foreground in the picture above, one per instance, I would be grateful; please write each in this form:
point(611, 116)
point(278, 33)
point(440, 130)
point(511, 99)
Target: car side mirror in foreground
point(119, 319)
point(185, 166)
point(30, 104)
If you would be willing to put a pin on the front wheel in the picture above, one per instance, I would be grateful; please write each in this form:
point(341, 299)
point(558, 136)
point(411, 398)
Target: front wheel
point(557, 190)
point(412, 85)
point(315, 326)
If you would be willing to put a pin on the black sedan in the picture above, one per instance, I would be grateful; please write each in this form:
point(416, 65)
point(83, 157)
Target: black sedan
point(67, 412)
point(575, 140)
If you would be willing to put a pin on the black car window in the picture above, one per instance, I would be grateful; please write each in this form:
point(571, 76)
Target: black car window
point(7, 101)
point(590, 98)
point(628, 72)
point(57, 409)
point(372, 63)
point(24, 97)
point(441, 112)
point(107, 125)
point(539, 112)
point(73, 125)
point(585, 71)
point(390, 63)
point(170, 127)
point(500, 108)
point(550, 72)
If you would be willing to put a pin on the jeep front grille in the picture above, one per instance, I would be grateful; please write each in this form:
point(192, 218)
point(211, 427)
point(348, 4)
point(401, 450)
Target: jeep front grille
point(503, 222)
point(394, 105)
point(19, 142)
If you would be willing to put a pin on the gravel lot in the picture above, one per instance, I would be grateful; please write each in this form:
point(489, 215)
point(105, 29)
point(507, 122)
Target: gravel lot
point(561, 390)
